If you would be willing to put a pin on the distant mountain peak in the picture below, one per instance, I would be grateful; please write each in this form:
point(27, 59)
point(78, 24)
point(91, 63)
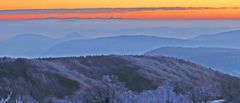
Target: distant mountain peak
point(235, 34)
point(28, 36)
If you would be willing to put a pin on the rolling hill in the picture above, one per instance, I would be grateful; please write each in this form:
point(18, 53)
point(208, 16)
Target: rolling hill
point(74, 44)
point(31, 45)
point(222, 59)
point(138, 44)
point(224, 40)
point(26, 45)
point(121, 45)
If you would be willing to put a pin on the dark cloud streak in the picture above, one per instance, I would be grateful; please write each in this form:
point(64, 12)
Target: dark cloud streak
point(104, 10)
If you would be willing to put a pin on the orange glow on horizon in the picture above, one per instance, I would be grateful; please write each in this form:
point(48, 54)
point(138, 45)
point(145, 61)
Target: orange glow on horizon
point(66, 4)
point(158, 14)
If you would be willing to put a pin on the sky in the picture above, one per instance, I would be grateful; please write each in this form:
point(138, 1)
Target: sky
point(141, 17)
point(128, 9)
point(53, 4)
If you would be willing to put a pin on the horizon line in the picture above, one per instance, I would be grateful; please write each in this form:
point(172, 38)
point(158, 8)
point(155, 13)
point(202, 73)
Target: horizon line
point(125, 13)
point(131, 8)
point(113, 18)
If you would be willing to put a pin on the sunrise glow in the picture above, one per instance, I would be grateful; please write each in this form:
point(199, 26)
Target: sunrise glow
point(143, 14)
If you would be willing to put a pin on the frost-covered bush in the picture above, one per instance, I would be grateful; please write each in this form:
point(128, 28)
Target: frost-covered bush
point(106, 91)
point(203, 94)
point(6, 100)
point(112, 91)
point(18, 100)
point(163, 94)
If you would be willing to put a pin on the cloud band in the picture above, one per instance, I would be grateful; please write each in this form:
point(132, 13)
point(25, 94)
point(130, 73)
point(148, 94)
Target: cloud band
point(105, 10)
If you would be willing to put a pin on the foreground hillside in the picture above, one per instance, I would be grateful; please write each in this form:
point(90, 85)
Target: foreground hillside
point(222, 59)
point(74, 77)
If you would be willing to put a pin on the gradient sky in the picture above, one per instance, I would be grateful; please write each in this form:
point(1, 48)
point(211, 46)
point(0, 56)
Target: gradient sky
point(216, 9)
point(52, 4)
